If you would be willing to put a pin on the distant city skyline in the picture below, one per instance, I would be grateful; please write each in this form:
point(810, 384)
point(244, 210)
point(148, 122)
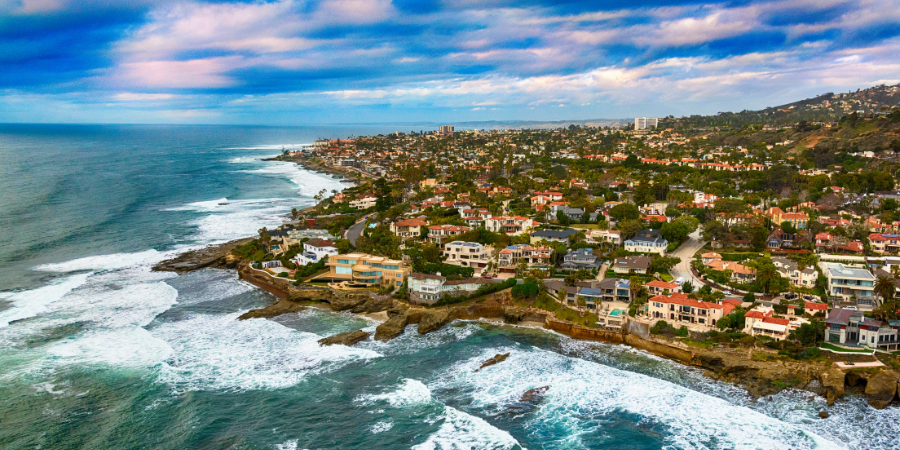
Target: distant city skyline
point(294, 62)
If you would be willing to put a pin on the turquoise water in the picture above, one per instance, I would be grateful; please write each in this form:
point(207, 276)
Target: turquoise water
point(102, 353)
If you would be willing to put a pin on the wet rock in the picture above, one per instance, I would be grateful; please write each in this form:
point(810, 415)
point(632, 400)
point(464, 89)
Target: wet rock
point(397, 310)
point(881, 388)
point(282, 306)
point(341, 303)
point(373, 305)
point(392, 328)
point(218, 256)
point(347, 339)
point(823, 414)
point(498, 358)
point(535, 394)
point(433, 320)
point(513, 314)
point(833, 384)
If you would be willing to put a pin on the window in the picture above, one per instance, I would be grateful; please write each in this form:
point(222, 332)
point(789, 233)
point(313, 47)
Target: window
point(345, 261)
point(343, 270)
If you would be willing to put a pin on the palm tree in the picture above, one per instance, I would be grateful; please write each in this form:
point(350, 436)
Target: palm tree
point(767, 276)
point(582, 302)
point(885, 288)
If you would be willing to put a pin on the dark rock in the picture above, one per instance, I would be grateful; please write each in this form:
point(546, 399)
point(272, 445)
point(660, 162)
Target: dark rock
point(392, 328)
point(347, 339)
point(397, 310)
point(513, 314)
point(282, 306)
point(341, 303)
point(532, 395)
point(373, 305)
point(218, 256)
point(881, 388)
point(833, 384)
point(433, 321)
point(498, 358)
point(823, 414)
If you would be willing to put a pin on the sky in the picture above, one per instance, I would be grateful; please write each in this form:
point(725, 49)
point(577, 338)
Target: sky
point(296, 62)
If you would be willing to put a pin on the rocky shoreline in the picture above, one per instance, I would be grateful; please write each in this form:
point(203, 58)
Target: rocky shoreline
point(760, 378)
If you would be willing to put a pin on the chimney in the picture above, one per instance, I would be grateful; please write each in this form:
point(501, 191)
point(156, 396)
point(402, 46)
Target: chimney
point(438, 273)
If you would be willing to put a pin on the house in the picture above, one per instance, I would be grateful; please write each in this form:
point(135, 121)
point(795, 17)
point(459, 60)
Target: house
point(408, 228)
point(790, 270)
point(510, 257)
point(614, 289)
point(363, 203)
point(552, 235)
point(710, 256)
point(678, 309)
point(662, 287)
point(850, 327)
point(425, 289)
point(594, 292)
point(850, 284)
point(739, 272)
point(778, 239)
point(647, 241)
point(613, 237)
point(314, 250)
point(814, 308)
point(582, 258)
point(884, 243)
point(760, 321)
point(362, 268)
point(437, 233)
point(632, 265)
point(574, 214)
point(468, 254)
point(513, 225)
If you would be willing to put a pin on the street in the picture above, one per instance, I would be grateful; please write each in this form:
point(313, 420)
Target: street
point(686, 253)
point(355, 230)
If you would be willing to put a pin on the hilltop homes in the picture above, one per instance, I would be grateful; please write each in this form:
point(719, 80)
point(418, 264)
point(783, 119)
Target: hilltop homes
point(426, 289)
point(314, 250)
point(632, 265)
point(790, 270)
point(513, 225)
point(409, 228)
point(514, 255)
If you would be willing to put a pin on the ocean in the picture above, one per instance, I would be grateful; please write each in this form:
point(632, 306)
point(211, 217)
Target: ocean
point(99, 352)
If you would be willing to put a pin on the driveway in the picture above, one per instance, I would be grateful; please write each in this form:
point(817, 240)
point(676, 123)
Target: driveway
point(602, 274)
point(355, 231)
point(686, 253)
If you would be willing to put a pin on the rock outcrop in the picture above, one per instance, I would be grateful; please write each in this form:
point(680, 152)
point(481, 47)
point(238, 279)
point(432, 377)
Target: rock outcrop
point(347, 339)
point(341, 303)
point(218, 256)
point(282, 306)
point(513, 314)
point(881, 388)
point(392, 328)
point(373, 305)
point(833, 384)
point(433, 320)
point(534, 394)
point(498, 358)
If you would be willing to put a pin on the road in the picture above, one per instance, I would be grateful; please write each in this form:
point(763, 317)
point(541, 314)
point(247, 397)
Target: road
point(686, 253)
point(354, 231)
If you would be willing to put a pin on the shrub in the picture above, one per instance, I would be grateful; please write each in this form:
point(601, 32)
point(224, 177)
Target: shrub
point(682, 332)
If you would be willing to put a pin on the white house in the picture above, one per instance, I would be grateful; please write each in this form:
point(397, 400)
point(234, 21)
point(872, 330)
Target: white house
point(314, 250)
point(647, 241)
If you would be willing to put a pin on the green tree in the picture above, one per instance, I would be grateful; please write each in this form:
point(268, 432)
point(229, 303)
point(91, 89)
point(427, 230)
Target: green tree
point(768, 278)
point(562, 218)
point(624, 211)
point(788, 228)
point(809, 334)
point(885, 289)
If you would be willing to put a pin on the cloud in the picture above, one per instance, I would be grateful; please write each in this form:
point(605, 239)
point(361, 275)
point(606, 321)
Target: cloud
point(140, 97)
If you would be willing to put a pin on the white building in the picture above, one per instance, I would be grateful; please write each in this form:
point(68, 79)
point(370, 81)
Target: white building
point(644, 123)
point(314, 250)
point(848, 283)
point(468, 254)
point(363, 203)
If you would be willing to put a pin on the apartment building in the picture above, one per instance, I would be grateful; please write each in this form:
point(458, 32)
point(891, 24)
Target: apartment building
point(468, 254)
point(645, 123)
point(678, 309)
point(849, 283)
point(366, 269)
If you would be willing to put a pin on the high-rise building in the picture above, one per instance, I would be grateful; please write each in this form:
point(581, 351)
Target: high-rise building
point(446, 129)
point(644, 123)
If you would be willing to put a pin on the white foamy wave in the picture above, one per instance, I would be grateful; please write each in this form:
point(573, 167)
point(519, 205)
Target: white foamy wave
point(220, 352)
point(105, 262)
point(289, 445)
point(243, 159)
point(272, 147)
point(33, 302)
point(461, 431)
point(583, 393)
point(381, 427)
point(310, 183)
point(411, 392)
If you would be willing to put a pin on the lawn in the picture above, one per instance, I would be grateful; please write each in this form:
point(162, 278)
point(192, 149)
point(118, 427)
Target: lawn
point(564, 313)
point(666, 277)
point(827, 346)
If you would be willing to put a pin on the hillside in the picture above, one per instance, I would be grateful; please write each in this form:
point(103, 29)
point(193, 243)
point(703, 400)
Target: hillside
point(825, 108)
